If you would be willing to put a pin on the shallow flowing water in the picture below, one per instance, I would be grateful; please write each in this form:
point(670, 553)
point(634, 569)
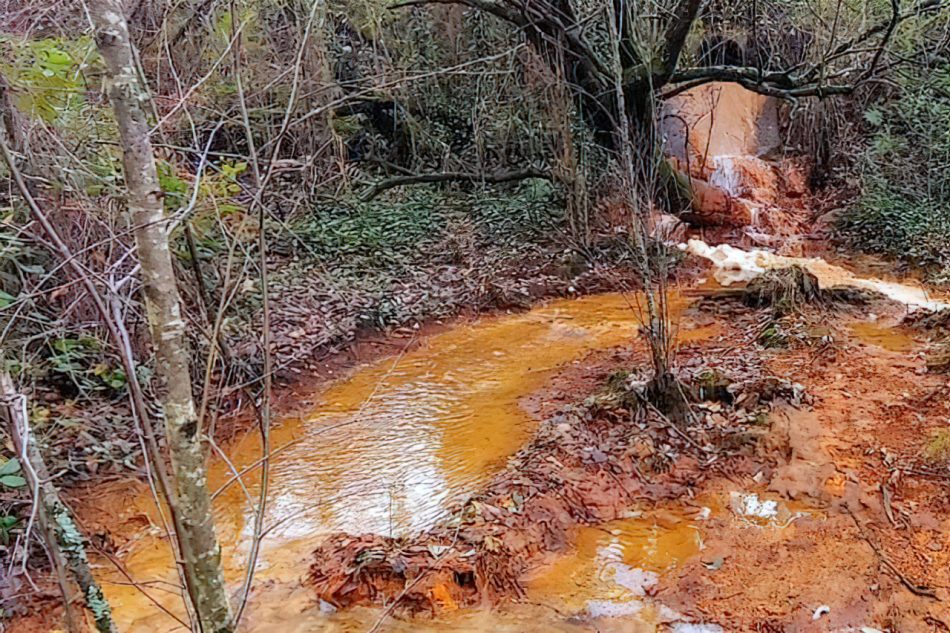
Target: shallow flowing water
point(387, 450)
point(391, 448)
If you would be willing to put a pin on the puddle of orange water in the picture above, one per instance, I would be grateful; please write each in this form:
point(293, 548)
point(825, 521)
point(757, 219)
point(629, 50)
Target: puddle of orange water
point(298, 615)
point(386, 451)
point(889, 338)
point(611, 566)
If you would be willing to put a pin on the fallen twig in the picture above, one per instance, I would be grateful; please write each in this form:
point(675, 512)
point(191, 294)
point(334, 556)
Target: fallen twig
point(913, 587)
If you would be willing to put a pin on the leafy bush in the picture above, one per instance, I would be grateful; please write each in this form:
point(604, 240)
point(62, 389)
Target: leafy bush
point(81, 363)
point(46, 74)
point(391, 231)
point(904, 208)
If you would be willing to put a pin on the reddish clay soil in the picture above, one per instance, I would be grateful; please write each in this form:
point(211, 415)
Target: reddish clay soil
point(877, 550)
point(872, 551)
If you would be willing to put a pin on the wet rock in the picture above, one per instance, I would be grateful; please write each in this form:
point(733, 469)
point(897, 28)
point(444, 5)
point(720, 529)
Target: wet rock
point(668, 228)
point(746, 177)
point(719, 119)
point(713, 206)
point(724, 140)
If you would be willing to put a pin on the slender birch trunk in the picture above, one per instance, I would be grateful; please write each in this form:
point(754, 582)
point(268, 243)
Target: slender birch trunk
point(199, 544)
point(63, 538)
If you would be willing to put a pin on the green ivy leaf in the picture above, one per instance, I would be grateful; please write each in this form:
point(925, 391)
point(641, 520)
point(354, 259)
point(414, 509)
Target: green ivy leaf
point(6, 300)
point(11, 467)
point(12, 481)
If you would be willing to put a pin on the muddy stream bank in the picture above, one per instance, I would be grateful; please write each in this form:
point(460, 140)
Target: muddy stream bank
point(391, 448)
point(386, 451)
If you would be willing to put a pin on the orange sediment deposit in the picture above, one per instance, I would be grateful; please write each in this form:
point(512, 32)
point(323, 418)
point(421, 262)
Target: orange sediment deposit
point(388, 450)
point(585, 466)
point(891, 338)
point(866, 539)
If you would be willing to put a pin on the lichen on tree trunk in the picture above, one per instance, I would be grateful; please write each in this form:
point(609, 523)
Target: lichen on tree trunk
point(192, 504)
point(53, 516)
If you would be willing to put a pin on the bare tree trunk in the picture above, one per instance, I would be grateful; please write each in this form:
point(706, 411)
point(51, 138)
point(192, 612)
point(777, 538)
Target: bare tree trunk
point(639, 177)
point(199, 545)
point(66, 543)
point(9, 115)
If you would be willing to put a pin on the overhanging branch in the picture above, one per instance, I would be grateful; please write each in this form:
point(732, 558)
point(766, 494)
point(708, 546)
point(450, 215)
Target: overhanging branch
point(789, 84)
point(779, 86)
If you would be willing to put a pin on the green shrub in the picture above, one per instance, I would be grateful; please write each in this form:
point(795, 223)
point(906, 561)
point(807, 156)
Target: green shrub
point(393, 229)
point(904, 207)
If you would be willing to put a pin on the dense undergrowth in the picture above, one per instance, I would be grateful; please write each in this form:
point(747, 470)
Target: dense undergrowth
point(413, 256)
point(904, 207)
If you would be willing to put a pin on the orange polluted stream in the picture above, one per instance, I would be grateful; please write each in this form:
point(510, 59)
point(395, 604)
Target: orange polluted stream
point(387, 450)
point(614, 564)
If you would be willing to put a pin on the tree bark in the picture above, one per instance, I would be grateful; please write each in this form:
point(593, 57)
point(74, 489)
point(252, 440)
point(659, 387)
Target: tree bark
point(9, 115)
point(55, 521)
point(199, 545)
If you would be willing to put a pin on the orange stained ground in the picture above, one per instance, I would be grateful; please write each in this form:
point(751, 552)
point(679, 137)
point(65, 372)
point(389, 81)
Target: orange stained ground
point(387, 450)
point(889, 338)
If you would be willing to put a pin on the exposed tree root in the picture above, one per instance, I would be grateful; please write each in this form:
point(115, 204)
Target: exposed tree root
point(790, 290)
point(785, 290)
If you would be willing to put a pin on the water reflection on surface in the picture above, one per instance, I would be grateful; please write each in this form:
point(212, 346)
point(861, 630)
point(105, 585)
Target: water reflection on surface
point(387, 450)
point(612, 567)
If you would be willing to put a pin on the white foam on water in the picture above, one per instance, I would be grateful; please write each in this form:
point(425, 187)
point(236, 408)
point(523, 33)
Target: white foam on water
point(688, 627)
point(734, 265)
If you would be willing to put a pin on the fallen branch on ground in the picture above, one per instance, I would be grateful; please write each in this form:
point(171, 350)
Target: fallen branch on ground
point(450, 176)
